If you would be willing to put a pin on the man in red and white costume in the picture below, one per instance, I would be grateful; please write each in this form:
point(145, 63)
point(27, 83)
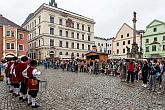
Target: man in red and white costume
point(8, 72)
point(22, 81)
point(33, 83)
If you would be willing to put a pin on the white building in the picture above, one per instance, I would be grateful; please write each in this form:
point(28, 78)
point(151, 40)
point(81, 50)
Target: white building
point(55, 32)
point(104, 45)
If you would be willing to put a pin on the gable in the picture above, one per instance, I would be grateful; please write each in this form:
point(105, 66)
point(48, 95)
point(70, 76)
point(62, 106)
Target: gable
point(123, 31)
point(155, 23)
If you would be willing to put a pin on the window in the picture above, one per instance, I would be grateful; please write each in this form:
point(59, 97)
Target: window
point(72, 34)
point(51, 42)
point(39, 30)
point(52, 31)
point(155, 29)
point(60, 32)
point(39, 19)
point(129, 42)
point(60, 44)
point(109, 44)
point(20, 36)
point(12, 45)
point(72, 54)
point(89, 38)
point(154, 48)
point(67, 45)
point(77, 45)
point(155, 39)
point(12, 33)
point(39, 43)
point(82, 36)
point(66, 53)
point(163, 47)
point(83, 27)
point(51, 19)
point(147, 49)
point(123, 42)
point(60, 21)
point(121, 36)
point(123, 50)
point(82, 55)
point(7, 45)
point(109, 51)
point(127, 34)
point(8, 33)
point(66, 33)
point(98, 44)
point(89, 29)
point(78, 25)
point(60, 53)
point(20, 47)
point(89, 47)
point(163, 37)
point(35, 23)
point(117, 51)
point(102, 45)
point(72, 45)
point(77, 35)
point(147, 40)
point(117, 44)
point(82, 46)
point(77, 54)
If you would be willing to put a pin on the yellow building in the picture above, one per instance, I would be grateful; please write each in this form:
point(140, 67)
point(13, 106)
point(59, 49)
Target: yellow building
point(124, 39)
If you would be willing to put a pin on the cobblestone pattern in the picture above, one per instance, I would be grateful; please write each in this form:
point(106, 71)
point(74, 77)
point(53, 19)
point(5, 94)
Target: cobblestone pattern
point(81, 91)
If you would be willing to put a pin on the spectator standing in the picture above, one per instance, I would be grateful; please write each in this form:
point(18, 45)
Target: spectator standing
point(131, 70)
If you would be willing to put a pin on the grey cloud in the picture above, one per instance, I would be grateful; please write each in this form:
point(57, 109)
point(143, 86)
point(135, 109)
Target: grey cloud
point(109, 15)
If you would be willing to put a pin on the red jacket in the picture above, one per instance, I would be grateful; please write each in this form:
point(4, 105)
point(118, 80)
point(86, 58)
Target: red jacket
point(19, 69)
point(8, 68)
point(33, 84)
point(131, 67)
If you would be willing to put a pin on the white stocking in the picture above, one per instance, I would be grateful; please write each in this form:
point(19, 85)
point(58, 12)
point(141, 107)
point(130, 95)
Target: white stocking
point(33, 101)
point(29, 99)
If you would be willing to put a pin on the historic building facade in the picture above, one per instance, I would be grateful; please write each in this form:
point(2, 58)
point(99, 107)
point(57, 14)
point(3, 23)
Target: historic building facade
point(104, 45)
point(13, 39)
point(123, 41)
point(55, 32)
point(153, 40)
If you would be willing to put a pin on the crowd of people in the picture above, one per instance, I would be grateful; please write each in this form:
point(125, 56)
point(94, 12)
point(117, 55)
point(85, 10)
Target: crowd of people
point(22, 74)
point(151, 72)
point(22, 79)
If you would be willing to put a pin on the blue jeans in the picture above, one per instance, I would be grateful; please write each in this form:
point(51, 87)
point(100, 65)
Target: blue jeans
point(152, 82)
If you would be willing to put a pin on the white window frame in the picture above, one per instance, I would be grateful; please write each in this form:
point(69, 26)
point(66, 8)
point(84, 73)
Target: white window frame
point(19, 48)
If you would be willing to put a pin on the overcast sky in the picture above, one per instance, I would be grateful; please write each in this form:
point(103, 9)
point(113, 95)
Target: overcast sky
point(109, 15)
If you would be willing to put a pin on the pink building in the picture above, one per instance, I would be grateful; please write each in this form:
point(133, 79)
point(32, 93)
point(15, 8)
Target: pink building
point(13, 39)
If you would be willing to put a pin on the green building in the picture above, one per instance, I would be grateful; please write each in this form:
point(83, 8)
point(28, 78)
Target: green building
point(153, 40)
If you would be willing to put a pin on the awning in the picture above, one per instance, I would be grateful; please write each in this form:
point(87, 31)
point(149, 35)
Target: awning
point(9, 56)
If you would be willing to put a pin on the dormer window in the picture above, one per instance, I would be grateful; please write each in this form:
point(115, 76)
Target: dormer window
point(155, 29)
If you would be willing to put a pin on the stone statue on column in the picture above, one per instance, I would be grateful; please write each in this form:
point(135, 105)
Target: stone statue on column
point(53, 3)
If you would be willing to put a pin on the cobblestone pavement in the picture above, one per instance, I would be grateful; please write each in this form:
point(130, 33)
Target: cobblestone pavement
point(81, 91)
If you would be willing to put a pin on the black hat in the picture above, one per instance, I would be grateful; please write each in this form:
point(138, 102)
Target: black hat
point(33, 62)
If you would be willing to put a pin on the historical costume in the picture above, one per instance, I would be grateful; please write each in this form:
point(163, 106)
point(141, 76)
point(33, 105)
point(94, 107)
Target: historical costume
point(33, 83)
point(19, 69)
point(8, 73)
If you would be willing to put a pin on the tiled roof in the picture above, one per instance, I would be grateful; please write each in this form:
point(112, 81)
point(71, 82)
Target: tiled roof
point(7, 22)
point(29, 17)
